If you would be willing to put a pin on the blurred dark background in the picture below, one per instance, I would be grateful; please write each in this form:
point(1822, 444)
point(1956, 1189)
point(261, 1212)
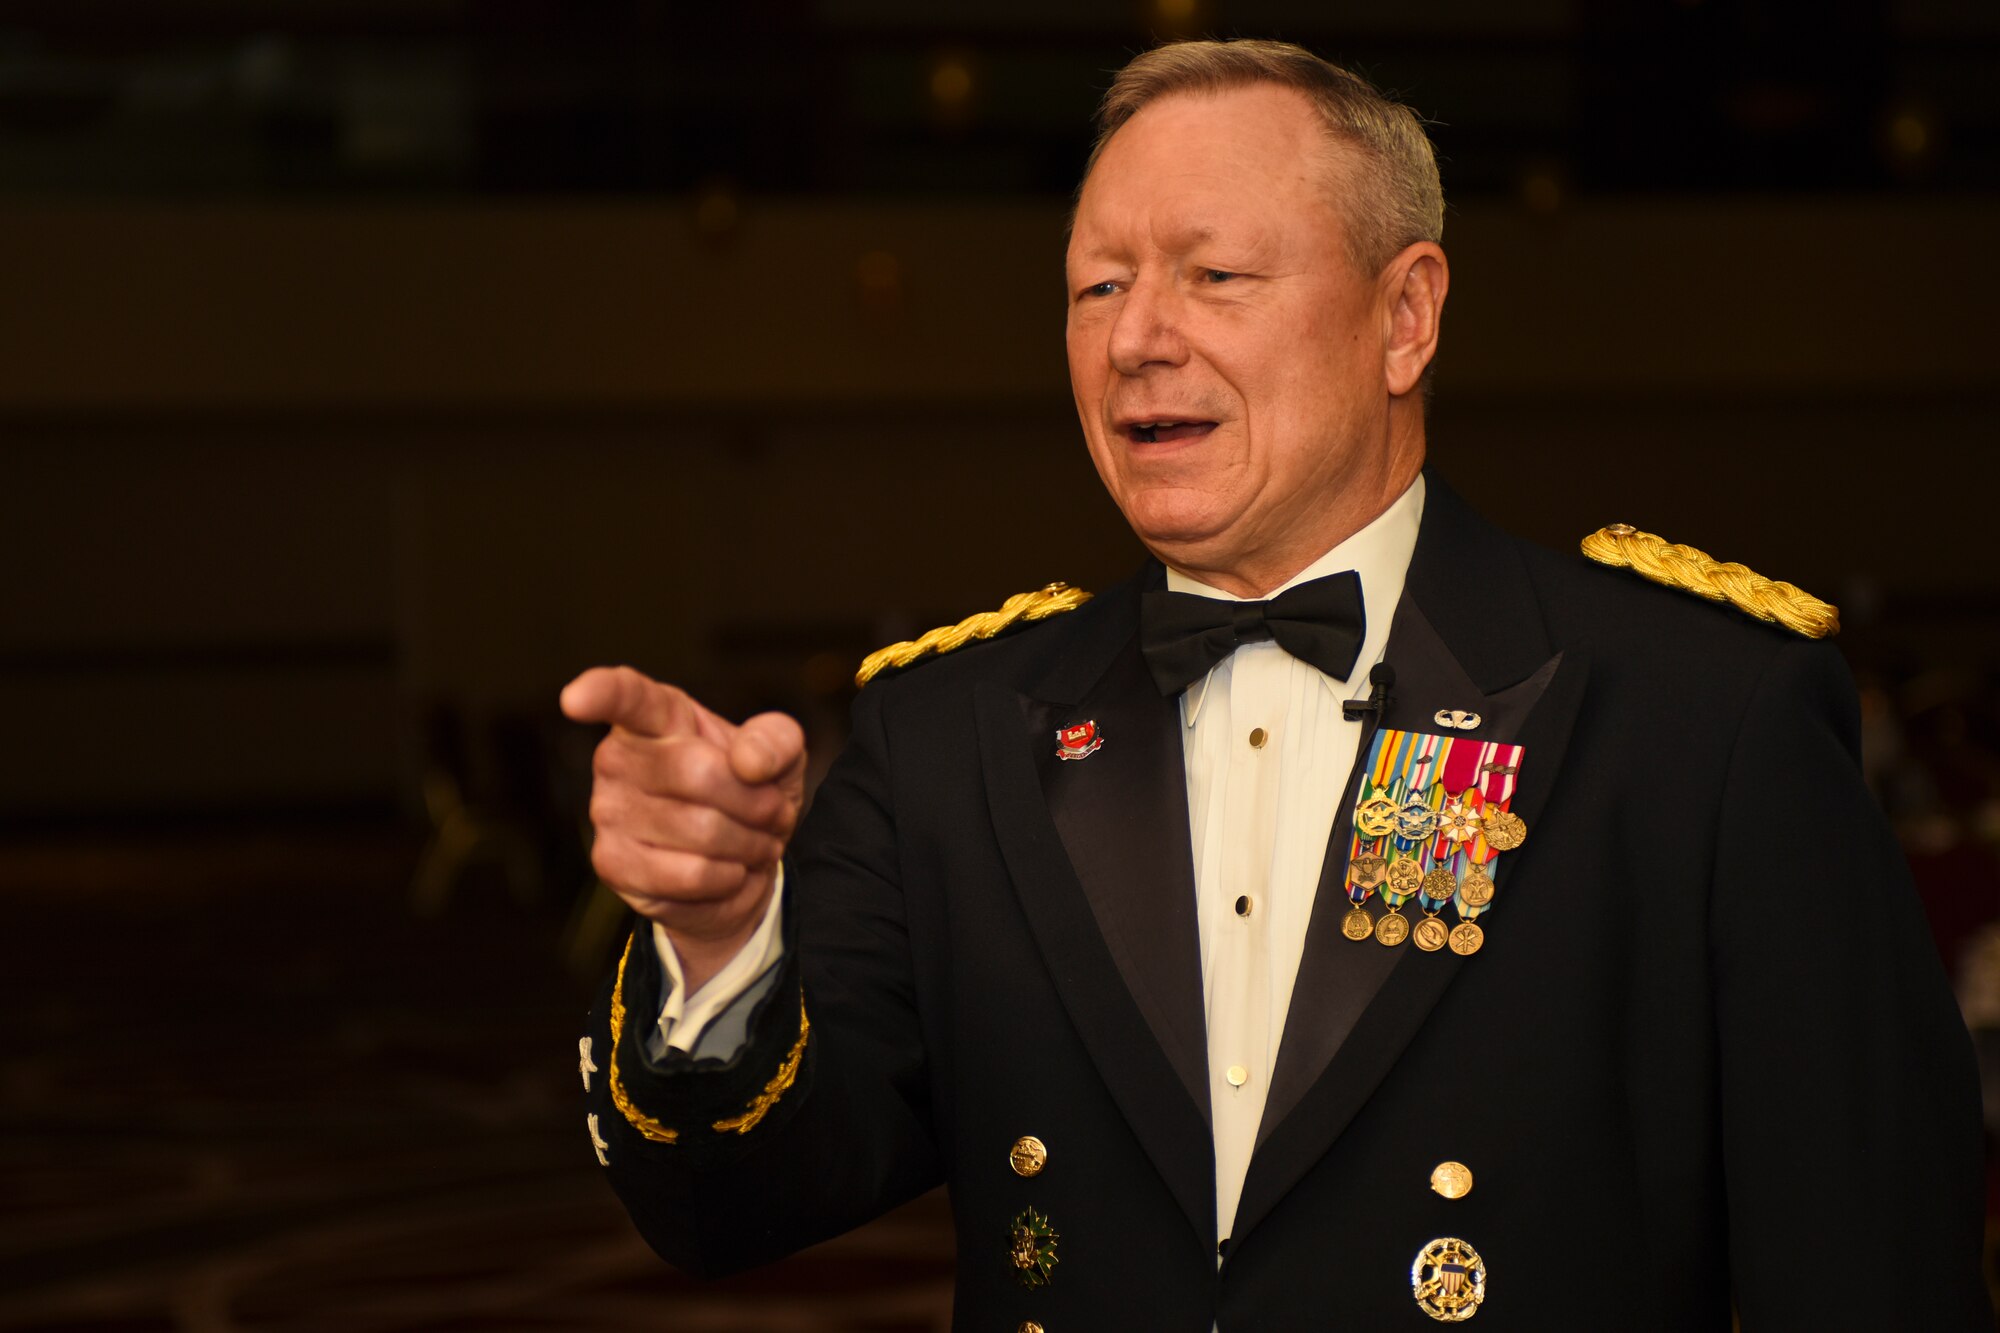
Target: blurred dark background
point(368, 368)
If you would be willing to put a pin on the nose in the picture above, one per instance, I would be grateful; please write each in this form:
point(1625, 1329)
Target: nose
point(1146, 332)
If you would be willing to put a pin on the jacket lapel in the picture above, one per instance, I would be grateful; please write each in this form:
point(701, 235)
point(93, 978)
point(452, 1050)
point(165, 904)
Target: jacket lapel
point(1123, 818)
point(1468, 634)
point(1099, 853)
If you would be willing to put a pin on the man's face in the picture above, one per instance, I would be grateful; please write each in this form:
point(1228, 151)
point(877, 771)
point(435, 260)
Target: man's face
point(1211, 290)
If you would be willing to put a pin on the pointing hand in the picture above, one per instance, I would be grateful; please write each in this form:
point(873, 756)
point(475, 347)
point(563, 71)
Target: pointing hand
point(692, 812)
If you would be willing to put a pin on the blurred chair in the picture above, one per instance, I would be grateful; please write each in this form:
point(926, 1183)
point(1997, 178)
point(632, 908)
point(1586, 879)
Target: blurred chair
point(483, 806)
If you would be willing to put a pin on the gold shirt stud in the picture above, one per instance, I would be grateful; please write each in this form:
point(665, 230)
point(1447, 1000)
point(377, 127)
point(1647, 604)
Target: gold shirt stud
point(1452, 1179)
point(1028, 1156)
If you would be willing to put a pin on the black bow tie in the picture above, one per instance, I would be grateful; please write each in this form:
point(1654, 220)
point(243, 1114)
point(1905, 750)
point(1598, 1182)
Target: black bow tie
point(1320, 622)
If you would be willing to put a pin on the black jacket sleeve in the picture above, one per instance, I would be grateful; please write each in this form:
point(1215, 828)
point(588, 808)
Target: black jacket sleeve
point(822, 1121)
point(1852, 1145)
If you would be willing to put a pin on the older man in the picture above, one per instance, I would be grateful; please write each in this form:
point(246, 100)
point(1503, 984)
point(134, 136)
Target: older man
point(1359, 917)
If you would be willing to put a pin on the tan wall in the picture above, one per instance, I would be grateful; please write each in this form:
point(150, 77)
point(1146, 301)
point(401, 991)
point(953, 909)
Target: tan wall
point(457, 453)
point(568, 306)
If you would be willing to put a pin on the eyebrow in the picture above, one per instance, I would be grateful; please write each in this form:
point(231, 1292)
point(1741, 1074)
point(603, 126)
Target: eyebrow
point(1182, 238)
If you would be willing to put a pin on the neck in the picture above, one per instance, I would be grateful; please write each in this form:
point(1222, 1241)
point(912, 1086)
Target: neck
point(1259, 572)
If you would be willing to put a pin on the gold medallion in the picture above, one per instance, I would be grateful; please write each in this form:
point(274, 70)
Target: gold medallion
point(1476, 890)
point(1504, 830)
point(1452, 1179)
point(1406, 875)
point(1031, 1248)
point(1367, 871)
point(1440, 884)
point(1392, 929)
point(1449, 1280)
point(1376, 817)
point(1028, 1156)
point(1430, 934)
point(1466, 937)
point(1357, 924)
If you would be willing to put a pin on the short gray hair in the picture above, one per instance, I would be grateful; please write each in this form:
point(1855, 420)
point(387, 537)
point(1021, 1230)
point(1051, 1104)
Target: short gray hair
point(1398, 198)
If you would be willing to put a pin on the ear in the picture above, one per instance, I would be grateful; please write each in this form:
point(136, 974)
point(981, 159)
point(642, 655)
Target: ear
point(1413, 288)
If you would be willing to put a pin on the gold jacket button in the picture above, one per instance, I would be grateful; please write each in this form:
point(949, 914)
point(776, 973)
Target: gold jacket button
point(1028, 1156)
point(1452, 1179)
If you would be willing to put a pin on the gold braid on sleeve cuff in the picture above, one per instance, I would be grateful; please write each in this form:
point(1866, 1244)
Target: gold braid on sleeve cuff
point(1698, 572)
point(759, 1106)
point(634, 1117)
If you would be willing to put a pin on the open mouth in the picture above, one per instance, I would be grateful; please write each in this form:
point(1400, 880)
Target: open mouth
point(1166, 432)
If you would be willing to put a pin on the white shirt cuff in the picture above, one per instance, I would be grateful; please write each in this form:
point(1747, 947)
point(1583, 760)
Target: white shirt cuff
point(682, 1016)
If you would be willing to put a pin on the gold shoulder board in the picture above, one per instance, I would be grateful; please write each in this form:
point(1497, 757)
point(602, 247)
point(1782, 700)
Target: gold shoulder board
point(1021, 608)
point(1698, 572)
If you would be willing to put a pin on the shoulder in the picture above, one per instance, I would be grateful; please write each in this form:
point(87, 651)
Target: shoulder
point(1017, 613)
point(1690, 570)
point(1015, 643)
point(1668, 612)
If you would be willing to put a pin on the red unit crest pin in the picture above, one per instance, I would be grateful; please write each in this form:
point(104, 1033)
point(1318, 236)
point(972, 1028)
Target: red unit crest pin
point(1079, 741)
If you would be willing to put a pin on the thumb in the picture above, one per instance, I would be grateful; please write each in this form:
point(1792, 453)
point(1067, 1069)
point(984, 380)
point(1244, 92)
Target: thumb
point(770, 747)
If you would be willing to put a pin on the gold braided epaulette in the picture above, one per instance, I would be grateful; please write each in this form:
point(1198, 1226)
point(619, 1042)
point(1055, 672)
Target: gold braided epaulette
point(1018, 609)
point(1697, 572)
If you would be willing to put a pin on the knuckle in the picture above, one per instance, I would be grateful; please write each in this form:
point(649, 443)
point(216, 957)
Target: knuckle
point(668, 824)
point(607, 760)
point(773, 810)
point(708, 766)
point(707, 825)
point(666, 872)
point(719, 876)
point(784, 817)
point(690, 769)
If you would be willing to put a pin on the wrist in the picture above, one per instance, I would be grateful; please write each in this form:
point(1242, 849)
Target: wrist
point(701, 959)
point(704, 947)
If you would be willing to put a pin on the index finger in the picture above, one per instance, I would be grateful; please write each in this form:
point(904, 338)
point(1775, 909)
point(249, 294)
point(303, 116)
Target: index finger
point(625, 698)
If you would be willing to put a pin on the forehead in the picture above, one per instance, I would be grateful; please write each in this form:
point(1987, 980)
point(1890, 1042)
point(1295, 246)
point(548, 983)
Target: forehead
point(1248, 163)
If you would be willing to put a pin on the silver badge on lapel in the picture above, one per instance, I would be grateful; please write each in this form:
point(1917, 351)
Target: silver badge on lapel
point(1456, 719)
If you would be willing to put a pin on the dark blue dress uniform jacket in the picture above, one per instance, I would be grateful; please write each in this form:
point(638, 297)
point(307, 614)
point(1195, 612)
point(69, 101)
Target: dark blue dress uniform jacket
point(1706, 1057)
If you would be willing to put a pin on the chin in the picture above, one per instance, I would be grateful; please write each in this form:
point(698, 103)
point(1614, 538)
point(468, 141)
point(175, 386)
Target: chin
point(1178, 520)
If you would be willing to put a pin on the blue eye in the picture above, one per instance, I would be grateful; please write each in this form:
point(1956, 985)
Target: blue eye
point(1219, 275)
point(1099, 289)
